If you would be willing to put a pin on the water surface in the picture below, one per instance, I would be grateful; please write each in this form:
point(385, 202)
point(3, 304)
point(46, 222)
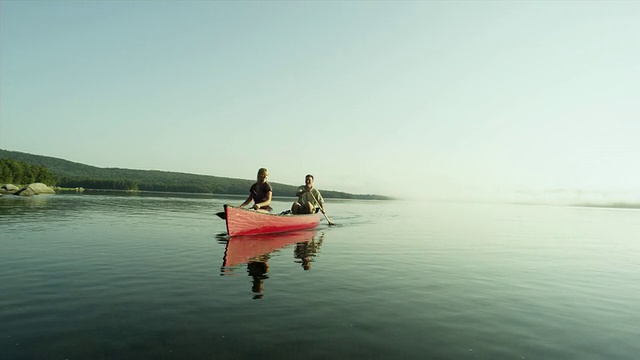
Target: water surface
point(152, 276)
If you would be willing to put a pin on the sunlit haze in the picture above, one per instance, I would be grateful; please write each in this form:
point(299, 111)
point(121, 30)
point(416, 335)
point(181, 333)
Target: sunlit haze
point(481, 100)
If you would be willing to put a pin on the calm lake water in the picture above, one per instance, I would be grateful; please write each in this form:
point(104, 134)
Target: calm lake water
point(113, 276)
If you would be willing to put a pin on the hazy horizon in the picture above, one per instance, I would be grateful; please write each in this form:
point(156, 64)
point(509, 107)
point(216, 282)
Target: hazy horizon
point(549, 197)
point(415, 100)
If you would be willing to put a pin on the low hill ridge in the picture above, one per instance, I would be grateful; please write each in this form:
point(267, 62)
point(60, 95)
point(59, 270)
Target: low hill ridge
point(73, 174)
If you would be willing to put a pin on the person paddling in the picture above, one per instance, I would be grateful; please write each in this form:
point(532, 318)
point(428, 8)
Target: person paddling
point(260, 192)
point(309, 199)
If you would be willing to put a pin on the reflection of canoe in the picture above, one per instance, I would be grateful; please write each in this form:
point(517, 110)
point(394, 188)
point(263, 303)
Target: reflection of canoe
point(241, 249)
point(249, 222)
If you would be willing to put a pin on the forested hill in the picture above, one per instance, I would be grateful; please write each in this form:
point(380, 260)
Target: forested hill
point(71, 174)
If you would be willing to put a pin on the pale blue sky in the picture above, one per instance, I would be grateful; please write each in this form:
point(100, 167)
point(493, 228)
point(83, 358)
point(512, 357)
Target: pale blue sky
point(435, 99)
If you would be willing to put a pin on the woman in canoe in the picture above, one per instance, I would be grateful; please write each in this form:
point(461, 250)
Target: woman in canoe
point(260, 192)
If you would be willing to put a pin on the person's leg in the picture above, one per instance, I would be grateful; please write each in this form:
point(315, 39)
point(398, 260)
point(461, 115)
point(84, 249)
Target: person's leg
point(309, 208)
point(295, 208)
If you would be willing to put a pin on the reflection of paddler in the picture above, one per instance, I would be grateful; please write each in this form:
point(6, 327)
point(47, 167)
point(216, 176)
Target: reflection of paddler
point(258, 269)
point(255, 251)
point(301, 252)
point(307, 250)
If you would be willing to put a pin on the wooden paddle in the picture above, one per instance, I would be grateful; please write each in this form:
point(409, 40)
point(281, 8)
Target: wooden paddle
point(317, 202)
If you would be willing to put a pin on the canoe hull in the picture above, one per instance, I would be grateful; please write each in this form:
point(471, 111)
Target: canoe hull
point(241, 221)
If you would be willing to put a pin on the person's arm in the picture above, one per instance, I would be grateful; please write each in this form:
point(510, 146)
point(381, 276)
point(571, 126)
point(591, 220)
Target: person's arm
point(246, 201)
point(257, 206)
point(320, 201)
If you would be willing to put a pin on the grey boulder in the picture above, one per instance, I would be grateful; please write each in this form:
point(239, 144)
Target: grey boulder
point(8, 189)
point(35, 189)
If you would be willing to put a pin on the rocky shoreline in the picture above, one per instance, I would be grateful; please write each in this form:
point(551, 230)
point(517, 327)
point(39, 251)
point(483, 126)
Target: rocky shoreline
point(28, 190)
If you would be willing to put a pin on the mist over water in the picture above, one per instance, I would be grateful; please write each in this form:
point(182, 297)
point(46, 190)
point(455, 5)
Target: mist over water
point(629, 199)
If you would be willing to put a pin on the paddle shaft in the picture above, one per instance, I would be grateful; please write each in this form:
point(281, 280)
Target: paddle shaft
point(317, 202)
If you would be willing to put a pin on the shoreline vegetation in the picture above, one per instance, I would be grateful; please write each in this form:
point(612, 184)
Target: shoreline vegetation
point(23, 168)
point(612, 205)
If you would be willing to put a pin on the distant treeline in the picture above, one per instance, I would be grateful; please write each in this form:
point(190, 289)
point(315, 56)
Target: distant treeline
point(144, 180)
point(20, 172)
point(69, 174)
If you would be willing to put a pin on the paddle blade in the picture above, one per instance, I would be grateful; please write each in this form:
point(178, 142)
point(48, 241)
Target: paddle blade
point(222, 215)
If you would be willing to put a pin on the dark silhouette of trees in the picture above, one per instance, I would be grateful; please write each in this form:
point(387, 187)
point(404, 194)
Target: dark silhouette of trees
point(22, 173)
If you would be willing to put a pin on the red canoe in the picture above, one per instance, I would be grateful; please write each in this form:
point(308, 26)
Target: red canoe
point(241, 221)
point(241, 249)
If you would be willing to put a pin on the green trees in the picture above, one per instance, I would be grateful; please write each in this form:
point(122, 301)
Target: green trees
point(22, 173)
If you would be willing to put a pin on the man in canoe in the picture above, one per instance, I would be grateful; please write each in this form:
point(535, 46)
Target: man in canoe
point(260, 192)
point(309, 198)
